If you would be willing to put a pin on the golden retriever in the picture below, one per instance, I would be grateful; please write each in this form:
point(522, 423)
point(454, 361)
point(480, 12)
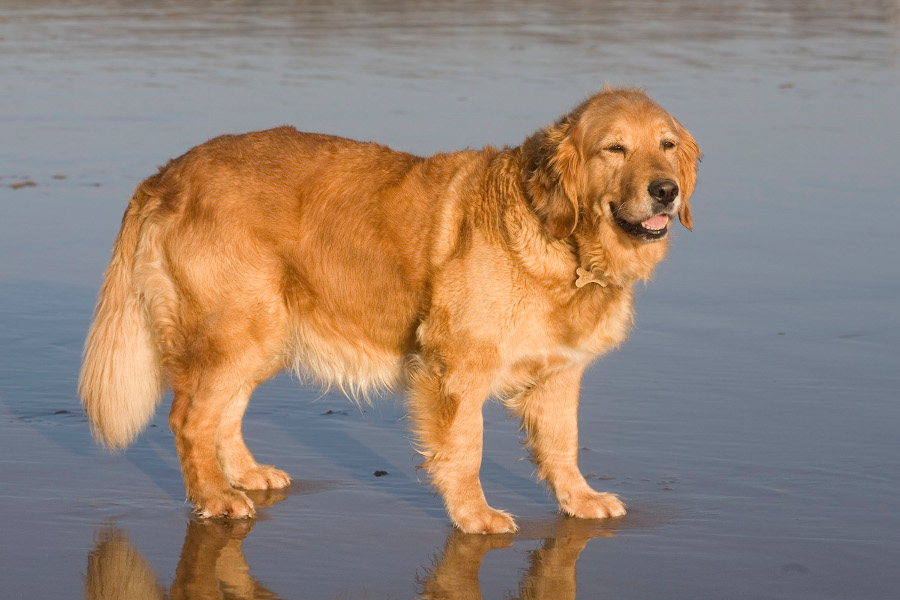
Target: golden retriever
point(493, 272)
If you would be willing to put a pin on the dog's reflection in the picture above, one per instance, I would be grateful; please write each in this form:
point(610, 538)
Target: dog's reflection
point(212, 564)
point(551, 572)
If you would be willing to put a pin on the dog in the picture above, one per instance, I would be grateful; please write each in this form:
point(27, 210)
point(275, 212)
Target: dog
point(454, 278)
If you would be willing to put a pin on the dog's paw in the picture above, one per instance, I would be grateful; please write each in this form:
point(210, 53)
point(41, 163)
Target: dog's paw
point(261, 477)
point(589, 504)
point(486, 520)
point(229, 503)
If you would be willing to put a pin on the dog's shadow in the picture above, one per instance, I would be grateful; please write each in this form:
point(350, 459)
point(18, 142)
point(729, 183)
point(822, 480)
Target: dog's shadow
point(213, 566)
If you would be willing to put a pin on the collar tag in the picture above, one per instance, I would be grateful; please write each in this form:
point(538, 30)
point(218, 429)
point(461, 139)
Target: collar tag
point(585, 277)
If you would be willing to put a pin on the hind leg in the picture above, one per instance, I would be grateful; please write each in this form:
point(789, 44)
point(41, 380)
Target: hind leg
point(238, 464)
point(212, 376)
point(194, 420)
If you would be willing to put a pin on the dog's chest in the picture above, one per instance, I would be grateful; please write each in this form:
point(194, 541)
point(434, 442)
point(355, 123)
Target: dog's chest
point(567, 333)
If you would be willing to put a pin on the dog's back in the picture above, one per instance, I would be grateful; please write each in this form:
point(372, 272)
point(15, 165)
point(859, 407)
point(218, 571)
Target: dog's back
point(295, 250)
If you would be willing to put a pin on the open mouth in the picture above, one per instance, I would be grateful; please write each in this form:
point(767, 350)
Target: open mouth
point(654, 228)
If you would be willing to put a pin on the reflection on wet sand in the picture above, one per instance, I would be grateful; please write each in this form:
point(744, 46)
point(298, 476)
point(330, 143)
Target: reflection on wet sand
point(212, 563)
point(213, 566)
point(115, 570)
point(551, 570)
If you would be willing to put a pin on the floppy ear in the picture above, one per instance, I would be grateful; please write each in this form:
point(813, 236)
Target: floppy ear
point(554, 177)
point(688, 156)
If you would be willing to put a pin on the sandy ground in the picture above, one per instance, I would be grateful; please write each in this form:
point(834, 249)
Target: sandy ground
point(750, 423)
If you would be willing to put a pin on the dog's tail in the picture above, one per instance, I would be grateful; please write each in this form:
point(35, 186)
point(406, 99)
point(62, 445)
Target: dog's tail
point(121, 378)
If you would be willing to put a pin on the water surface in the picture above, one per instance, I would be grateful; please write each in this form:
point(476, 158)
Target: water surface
point(751, 422)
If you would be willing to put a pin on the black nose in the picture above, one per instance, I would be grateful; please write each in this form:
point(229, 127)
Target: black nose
point(664, 190)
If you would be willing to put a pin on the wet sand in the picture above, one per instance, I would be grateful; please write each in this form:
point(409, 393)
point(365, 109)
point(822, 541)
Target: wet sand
point(751, 422)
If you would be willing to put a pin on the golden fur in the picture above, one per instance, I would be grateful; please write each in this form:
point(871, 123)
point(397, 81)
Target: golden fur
point(451, 277)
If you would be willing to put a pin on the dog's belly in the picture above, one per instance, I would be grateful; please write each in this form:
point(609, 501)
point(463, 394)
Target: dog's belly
point(343, 357)
point(349, 327)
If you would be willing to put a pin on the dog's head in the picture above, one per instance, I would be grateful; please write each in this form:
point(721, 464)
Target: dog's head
point(619, 156)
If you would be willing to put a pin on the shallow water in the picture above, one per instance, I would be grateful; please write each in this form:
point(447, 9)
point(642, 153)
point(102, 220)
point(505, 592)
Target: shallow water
point(751, 422)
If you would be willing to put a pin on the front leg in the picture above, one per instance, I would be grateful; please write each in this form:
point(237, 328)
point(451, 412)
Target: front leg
point(445, 409)
point(549, 413)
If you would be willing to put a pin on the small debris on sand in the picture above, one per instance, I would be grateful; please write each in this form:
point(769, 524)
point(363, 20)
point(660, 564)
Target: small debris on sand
point(22, 184)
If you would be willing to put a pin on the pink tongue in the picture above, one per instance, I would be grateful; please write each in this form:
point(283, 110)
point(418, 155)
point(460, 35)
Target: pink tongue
point(656, 223)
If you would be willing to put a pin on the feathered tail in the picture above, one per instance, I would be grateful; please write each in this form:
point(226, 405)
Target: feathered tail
point(121, 378)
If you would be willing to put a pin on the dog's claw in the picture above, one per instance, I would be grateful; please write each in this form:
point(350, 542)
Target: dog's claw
point(589, 504)
point(490, 521)
point(230, 504)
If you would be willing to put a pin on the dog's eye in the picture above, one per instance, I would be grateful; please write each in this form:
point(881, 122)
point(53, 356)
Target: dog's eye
point(667, 144)
point(618, 148)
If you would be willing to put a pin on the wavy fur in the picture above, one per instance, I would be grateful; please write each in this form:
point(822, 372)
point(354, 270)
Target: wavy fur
point(451, 277)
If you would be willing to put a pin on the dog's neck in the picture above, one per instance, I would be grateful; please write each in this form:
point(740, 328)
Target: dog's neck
point(609, 258)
